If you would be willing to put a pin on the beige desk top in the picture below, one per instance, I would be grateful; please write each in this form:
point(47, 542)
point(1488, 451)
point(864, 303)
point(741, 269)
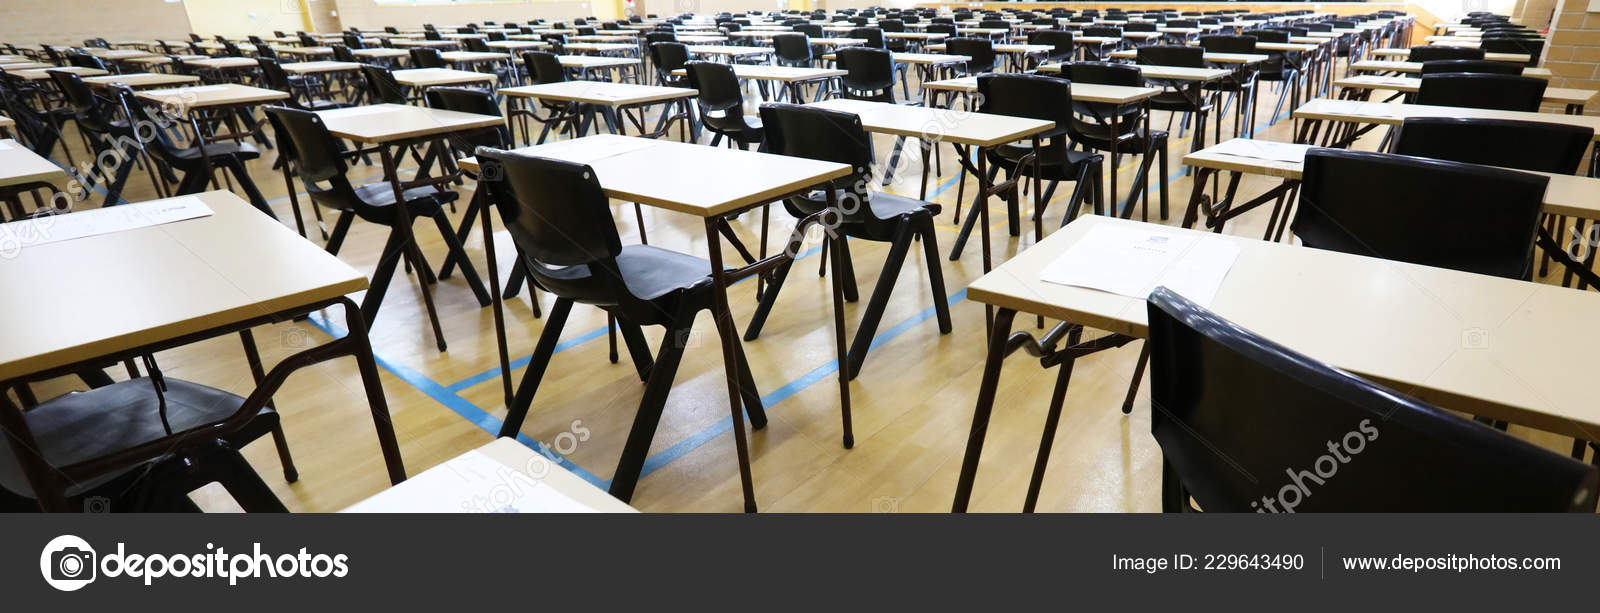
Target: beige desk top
point(429, 77)
point(695, 39)
point(1168, 73)
point(728, 50)
point(212, 95)
point(19, 165)
point(456, 57)
point(320, 67)
point(222, 63)
point(602, 47)
point(305, 51)
point(162, 60)
point(1096, 40)
point(1552, 95)
point(383, 123)
point(409, 42)
point(976, 129)
point(1005, 48)
point(1285, 46)
point(1085, 92)
point(138, 80)
point(166, 281)
point(514, 45)
point(600, 92)
point(1566, 195)
point(682, 177)
point(596, 61)
point(1215, 58)
point(20, 66)
point(1399, 324)
point(118, 54)
point(606, 39)
point(1347, 110)
point(514, 456)
point(1518, 58)
point(1416, 67)
point(786, 74)
point(380, 52)
point(44, 73)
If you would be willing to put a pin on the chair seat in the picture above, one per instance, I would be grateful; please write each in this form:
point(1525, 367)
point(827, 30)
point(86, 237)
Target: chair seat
point(1098, 136)
point(1057, 162)
point(649, 272)
point(83, 425)
point(422, 200)
point(886, 206)
point(244, 151)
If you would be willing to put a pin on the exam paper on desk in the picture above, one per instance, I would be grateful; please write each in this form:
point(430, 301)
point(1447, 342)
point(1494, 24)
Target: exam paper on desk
point(1133, 261)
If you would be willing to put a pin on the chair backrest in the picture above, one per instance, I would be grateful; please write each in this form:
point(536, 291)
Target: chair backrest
point(478, 45)
point(558, 216)
point(1531, 46)
point(427, 57)
point(544, 67)
point(1228, 44)
point(1421, 211)
point(1482, 91)
point(892, 25)
point(354, 41)
point(1171, 55)
point(1027, 95)
point(1107, 31)
point(1270, 36)
point(477, 102)
point(1139, 26)
point(1473, 66)
point(275, 77)
point(719, 88)
point(980, 52)
point(1428, 53)
point(827, 135)
point(84, 60)
point(1059, 40)
point(342, 53)
point(869, 73)
point(86, 106)
point(382, 86)
point(1523, 145)
point(307, 40)
point(316, 152)
point(668, 57)
point(873, 36)
point(1246, 424)
point(792, 49)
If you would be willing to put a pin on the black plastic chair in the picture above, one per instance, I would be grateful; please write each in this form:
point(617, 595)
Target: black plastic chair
point(382, 88)
point(1482, 91)
point(465, 144)
point(560, 219)
point(1178, 97)
point(792, 50)
point(427, 57)
point(1531, 47)
point(1240, 84)
point(721, 103)
point(869, 74)
point(1418, 210)
point(979, 51)
point(321, 167)
point(545, 67)
point(106, 132)
point(1471, 66)
point(196, 163)
point(667, 57)
point(274, 76)
point(1097, 125)
point(833, 136)
point(1429, 53)
point(1050, 99)
point(1234, 410)
point(873, 36)
point(1059, 40)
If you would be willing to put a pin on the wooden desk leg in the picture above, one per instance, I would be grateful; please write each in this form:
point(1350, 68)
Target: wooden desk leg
point(356, 325)
point(980, 415)
point(730, 365)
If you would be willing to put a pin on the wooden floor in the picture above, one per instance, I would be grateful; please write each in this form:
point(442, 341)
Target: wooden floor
point(912, 403)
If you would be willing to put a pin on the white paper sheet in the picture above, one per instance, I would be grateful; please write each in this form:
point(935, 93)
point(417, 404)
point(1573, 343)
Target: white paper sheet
point(590, 150)
point(1263, 150)
point(1132, 261)
point(1368, 109)
point(5, 146)
point(471, 483)
point(94, 222)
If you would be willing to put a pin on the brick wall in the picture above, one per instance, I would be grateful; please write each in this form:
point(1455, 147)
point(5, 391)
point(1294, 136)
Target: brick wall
point(1574, 54)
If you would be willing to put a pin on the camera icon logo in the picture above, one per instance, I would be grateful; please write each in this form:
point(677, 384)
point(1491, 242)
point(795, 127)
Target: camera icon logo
point(68, 563)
